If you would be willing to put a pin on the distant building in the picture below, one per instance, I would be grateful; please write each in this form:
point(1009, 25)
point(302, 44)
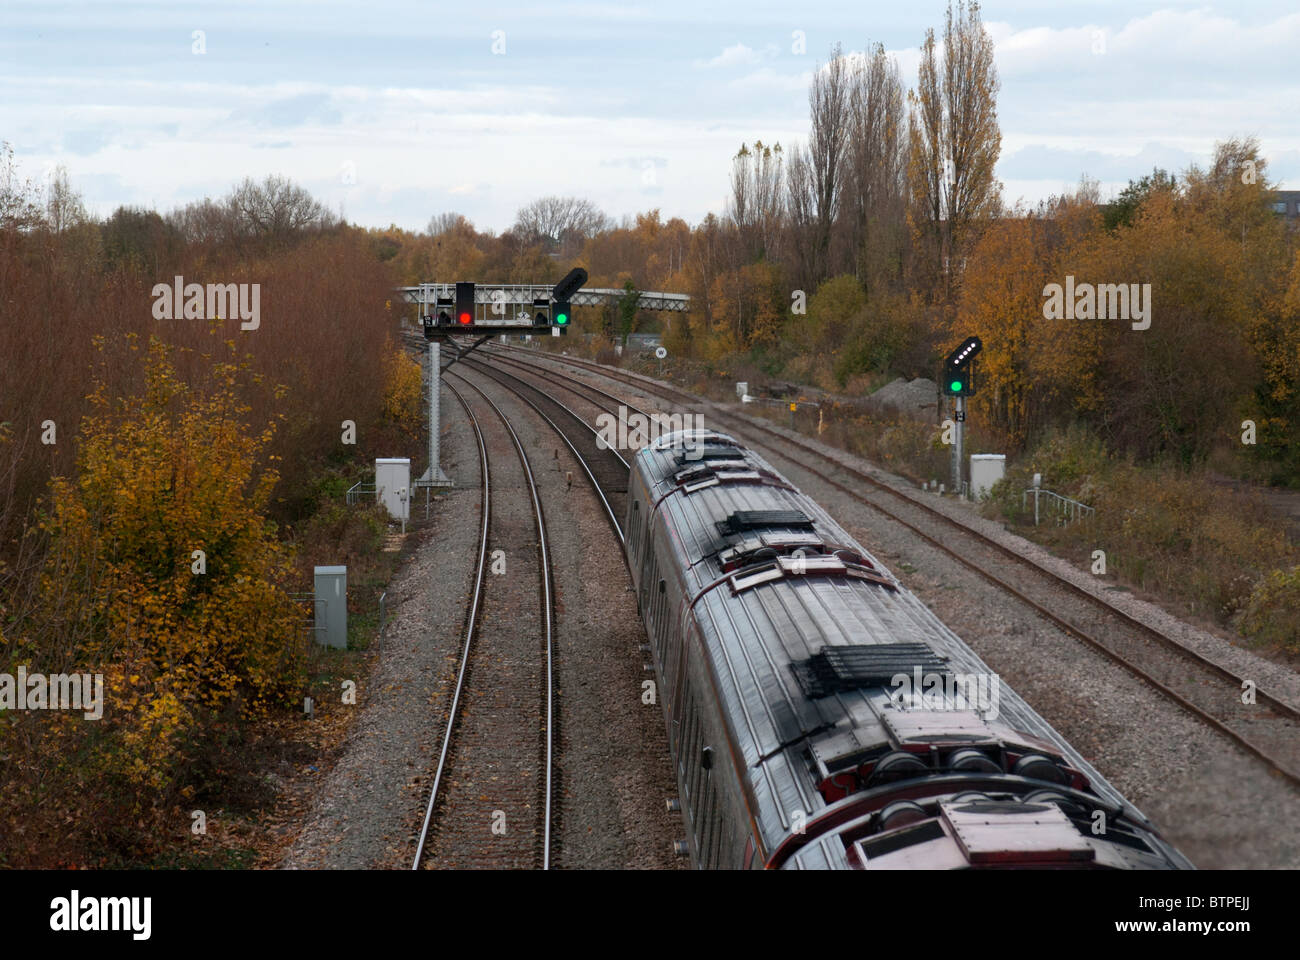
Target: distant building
point(1287, 203)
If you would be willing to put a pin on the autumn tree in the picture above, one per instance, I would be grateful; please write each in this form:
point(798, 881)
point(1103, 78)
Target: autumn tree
point(163, 570)
point(954, 139)
point(829, 310)
point(748, 308)
point(1121, 210)
point(1001, 303)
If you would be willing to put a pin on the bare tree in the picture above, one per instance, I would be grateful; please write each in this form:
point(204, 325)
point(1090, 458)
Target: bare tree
point(277, 207)
point(828, 100)
point(63, 206)
point(739, 211)
point(441, 223)
point(926, 153)
point(974, 140)
point(801, 209)
point(559, 222)
point(874, 192)
point(755, 208)
point(18, 211)
point(204, 222)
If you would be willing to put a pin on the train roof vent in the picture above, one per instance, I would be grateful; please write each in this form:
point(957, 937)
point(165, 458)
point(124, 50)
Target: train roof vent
point(691, 439)
point(853, 666)
point(711, 451)
point(743, 520)
point(900, 839)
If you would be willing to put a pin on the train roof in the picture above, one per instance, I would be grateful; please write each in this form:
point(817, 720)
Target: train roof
point(808, 632)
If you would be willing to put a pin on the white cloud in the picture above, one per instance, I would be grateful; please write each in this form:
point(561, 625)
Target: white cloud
point(766, 80)
point(489, 134)
point(734, 56)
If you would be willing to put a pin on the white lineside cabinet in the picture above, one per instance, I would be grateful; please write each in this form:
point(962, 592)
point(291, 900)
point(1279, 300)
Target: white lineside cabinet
point(332, 606)
point(393, 485)
point(986, 469)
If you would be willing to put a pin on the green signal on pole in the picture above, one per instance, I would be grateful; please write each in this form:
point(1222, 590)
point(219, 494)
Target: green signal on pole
point(562, 292)
point(959, 369)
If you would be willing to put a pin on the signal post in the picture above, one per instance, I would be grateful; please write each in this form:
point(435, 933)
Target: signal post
point(959, 382)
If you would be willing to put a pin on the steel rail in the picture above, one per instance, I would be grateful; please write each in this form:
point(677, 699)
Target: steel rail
point(548, 606)
point(471, 623)
point(582, 462)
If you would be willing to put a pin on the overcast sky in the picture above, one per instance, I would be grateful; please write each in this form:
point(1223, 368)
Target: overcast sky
point(394, 111)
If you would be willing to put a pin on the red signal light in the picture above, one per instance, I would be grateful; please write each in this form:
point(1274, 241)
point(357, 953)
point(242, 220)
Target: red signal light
point(464, 303)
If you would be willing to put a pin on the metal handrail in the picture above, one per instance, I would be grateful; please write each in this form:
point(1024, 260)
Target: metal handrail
point(309, 622)
point(360, 489)
point(1066, 509)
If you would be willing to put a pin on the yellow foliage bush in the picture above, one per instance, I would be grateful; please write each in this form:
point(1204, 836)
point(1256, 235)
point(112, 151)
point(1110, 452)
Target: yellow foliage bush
point(163, 573)
point(402, 385)
point(1272, 613)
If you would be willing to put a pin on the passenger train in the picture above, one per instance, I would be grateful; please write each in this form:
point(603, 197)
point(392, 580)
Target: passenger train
point(819, 714)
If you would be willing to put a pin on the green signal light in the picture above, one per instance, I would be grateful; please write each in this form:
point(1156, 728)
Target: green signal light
point(561, 318)
point(955, 386)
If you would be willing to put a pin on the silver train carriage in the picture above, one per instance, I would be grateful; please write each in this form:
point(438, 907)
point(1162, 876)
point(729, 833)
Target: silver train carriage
point(820, 715)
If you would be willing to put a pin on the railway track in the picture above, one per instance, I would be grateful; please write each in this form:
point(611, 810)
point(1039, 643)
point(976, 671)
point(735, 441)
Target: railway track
point(606, 470)
point(495, 767)
point(1268, 729)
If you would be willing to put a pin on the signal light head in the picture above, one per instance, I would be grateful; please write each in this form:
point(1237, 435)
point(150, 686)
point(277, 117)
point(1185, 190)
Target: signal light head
point(464, 303)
